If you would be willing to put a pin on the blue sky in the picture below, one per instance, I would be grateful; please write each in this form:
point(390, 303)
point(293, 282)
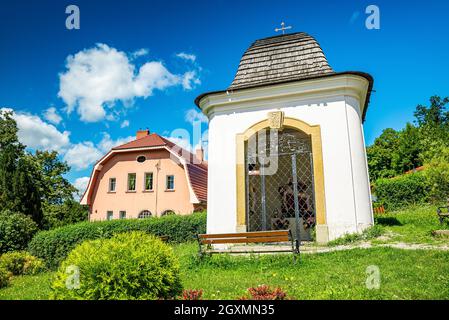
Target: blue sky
point(157, 56)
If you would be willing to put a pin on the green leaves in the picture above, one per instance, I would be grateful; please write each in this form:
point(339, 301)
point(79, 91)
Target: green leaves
point(16, 230)
point(54, 245)
point(395, 152)
point(131, 265)
point(402, 191)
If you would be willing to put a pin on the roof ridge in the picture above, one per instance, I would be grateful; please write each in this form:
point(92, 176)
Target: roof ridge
point(281, 36)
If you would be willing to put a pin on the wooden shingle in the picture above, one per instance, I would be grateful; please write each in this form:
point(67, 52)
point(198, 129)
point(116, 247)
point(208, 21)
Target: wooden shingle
point(282, 58)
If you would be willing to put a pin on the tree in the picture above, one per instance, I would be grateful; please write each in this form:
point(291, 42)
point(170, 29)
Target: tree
point(58, 215)
point(18, 189)
point(380, 160)
point(54, 188)
point(407, 155)
point(433, 122)
point(395, 152)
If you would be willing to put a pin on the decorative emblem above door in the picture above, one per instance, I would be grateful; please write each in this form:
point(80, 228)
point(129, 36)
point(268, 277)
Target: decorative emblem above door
point(276, 119)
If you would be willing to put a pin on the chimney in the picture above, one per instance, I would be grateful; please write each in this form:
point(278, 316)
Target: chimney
point(142, 133)
point(200, 154)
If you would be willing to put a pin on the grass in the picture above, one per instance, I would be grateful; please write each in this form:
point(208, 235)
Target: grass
point(28, 288)
point(414, 225)
point(405, 274)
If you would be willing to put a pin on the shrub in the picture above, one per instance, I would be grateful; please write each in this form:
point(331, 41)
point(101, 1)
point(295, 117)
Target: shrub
point(264, 292)
point(402, 191)
point(21, 262)
point(131, 265)
point(58, 215)
point(437, 174)
point(5, 277)
point(192, 294)
point(16, 230)
point(54, 245)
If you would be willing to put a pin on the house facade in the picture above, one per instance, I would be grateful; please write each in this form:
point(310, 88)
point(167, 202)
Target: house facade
point(147, 177)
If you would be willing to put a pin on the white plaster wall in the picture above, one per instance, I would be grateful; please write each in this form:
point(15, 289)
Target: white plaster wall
point(345, 174)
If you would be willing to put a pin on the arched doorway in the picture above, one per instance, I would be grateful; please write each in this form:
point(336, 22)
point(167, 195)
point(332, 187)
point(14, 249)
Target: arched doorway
point(279, 182)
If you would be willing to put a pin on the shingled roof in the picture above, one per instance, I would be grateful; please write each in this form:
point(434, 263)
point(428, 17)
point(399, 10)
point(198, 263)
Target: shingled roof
point(281, 58)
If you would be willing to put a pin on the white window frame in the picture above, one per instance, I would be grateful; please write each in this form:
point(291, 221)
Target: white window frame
point(135, 182)
point(166, 182)
point(115, 184)
point(145, 181)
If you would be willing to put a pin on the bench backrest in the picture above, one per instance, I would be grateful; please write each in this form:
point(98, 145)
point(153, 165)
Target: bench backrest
point(245, 237)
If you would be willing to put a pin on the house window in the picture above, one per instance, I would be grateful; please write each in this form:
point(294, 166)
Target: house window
point(167, 213)
point(141, 159)
point(148, 181)
point(170, 183)
point(131, 182)
point(145, 214)
point(122, 214)
point(109, 215)
point(112, 183)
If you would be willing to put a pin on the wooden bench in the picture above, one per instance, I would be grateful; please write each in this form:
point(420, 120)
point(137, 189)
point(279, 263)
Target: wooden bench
point(441, 214)
point(206, 242)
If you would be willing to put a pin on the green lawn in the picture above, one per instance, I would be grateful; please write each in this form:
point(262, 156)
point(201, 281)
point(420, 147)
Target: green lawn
point(414, 225)
point(405, 274)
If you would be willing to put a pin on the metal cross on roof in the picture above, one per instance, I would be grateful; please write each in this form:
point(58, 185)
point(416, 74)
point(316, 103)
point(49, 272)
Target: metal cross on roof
point(282, 28)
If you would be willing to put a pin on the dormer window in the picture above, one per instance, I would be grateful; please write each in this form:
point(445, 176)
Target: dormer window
point(141, 159)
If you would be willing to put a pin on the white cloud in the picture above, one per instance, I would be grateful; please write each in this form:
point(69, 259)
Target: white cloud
point(107, 143)
point(38, 134)
point(181, 142)
point(81, 155)
point(81, 184)
point(190, 80)
point(51, 115)
point(124, 124)
point(139, 53)
point(96, 79)
point(192, 116)
point(186, 56)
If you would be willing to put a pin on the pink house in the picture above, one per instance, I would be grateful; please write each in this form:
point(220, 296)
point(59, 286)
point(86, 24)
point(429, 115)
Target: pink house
point(147, 177)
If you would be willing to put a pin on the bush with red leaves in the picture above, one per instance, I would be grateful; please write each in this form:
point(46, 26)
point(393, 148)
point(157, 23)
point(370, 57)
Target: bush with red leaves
point(264, 292)
point(192, 294)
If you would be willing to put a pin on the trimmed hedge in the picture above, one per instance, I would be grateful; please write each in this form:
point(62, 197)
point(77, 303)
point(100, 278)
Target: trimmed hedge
point(402, 191)
point(53, 246)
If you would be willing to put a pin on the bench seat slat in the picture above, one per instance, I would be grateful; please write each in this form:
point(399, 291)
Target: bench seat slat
point(245, 234)
point(246, 240)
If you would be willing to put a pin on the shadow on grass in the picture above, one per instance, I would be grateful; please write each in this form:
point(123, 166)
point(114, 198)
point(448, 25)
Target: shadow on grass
point(388, 221)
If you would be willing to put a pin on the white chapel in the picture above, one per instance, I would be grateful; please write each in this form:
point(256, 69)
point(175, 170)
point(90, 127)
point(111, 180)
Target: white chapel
point(286, 144)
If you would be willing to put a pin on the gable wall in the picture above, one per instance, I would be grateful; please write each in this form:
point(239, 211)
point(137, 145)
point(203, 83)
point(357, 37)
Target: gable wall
point(134, 202)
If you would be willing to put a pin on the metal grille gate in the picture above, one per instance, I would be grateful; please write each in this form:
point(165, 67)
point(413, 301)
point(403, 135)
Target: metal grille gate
point(279, 182)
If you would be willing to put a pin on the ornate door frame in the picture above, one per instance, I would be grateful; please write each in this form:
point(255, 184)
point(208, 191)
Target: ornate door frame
point(276, 120)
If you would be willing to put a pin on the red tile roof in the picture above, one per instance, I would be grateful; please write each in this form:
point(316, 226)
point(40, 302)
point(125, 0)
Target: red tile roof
point(151, 140)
